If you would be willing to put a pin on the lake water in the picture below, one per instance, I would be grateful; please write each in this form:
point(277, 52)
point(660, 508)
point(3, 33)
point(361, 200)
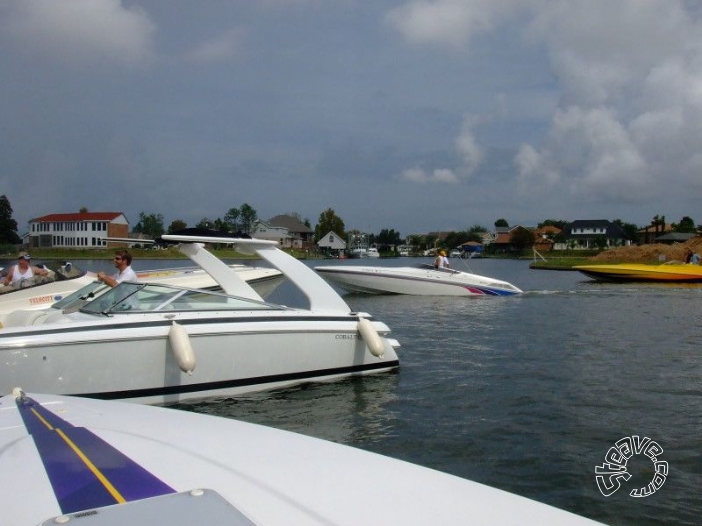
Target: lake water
point(524, 393)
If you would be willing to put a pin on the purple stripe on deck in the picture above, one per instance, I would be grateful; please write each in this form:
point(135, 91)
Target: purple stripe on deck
point(76, 487)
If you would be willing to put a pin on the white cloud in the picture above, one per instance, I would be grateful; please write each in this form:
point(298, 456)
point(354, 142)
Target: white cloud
point(467, 147)
point(220, 48)
point(418, 175)
point(629, 73)
point(79, 31)
point(452, 22)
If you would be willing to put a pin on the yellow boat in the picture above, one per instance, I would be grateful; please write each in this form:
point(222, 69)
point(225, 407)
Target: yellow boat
point(667, 272)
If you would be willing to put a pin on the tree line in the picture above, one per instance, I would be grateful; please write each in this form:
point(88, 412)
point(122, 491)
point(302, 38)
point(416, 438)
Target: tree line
point(241, 220)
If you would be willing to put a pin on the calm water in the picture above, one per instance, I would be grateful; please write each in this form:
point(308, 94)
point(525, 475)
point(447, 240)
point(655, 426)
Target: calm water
point(523, 393)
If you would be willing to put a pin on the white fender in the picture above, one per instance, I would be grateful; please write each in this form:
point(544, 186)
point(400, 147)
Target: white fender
point(182, 350)
point(371, 337)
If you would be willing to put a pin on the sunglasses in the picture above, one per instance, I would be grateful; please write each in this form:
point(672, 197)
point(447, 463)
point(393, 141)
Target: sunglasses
point(117, 258)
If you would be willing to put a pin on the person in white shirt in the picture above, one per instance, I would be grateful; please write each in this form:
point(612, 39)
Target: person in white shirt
point(23, 271)
point(123, 262)
point(441, 260)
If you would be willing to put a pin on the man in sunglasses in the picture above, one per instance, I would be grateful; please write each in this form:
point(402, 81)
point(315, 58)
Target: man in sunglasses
point(123, 262)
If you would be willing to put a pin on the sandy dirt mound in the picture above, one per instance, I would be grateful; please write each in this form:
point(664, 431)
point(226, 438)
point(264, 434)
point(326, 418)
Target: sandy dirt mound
point(654, 253)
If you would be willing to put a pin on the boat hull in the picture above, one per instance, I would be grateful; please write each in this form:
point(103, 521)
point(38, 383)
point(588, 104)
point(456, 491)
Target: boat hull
point(640, 272)
point(415, 281)
point(134, 360)
point(166, 466)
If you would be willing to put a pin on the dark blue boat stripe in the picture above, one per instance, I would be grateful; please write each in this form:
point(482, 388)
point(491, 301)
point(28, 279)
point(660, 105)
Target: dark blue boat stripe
point(229, 384)
point(72, 473)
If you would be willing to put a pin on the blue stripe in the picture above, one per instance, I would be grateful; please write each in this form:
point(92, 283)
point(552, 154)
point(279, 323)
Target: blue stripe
point(75, 486)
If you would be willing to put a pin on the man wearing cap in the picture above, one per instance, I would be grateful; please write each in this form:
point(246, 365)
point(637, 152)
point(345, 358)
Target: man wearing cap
point(23, 271)
point(441, 260)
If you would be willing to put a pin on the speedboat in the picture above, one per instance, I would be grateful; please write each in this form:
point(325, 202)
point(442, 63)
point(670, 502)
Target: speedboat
point(95, 462)
point(372, 253)
point(423, 280)
point(65, 278)
point(159, 343)
point(667, 272)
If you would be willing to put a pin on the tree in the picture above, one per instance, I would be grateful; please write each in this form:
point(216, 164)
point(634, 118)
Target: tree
point(329, 222)
point(658, 222)
point(8, 226)
point(501, 223)
point(558, 223)
point(176, 225)
point(205, 222)
point(231, 218)
point(630, 230)
point(248, 217)
point(686, 225)
point(83, 210)
point(522, 238)
point(151, 225)
point(388, 238)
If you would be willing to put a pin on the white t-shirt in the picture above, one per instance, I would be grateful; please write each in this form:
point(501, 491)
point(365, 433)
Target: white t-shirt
point(17, 275)
point(126, 275)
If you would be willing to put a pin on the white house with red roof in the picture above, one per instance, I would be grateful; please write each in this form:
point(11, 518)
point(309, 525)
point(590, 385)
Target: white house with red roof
point(78, 230)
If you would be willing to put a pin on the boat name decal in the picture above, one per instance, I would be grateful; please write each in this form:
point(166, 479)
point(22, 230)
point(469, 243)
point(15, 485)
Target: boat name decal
point(41, 299)
point(346, 337)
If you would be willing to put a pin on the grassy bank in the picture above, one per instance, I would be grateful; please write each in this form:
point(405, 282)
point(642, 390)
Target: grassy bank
point(563, 260)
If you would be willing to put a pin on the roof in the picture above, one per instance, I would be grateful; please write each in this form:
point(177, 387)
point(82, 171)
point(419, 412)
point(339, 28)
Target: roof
point(676, 236)
point(612, 230)
point(78, 216)
point(293, 224)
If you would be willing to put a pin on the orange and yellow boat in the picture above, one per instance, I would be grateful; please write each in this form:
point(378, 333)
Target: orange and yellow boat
point(667, 272)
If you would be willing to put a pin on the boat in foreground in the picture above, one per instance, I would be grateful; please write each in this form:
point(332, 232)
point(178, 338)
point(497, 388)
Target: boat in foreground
point(424, 280)
point(158, 343)
point(65, 278)
point(92, 462)
point(667, 272)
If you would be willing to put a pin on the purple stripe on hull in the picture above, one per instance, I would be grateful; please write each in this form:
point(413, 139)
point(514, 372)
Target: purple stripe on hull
point(75, 486)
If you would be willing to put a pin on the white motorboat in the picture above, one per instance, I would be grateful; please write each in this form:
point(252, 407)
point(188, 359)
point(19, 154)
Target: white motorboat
point(424, 280)
point(372, 253)
point(158, 343)
point(93, 462)
point(65, 278)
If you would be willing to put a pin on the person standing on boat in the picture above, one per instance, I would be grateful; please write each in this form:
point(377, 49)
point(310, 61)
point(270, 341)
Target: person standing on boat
point(23, 271)
point(123, 262)
point(441, 260)
point(692, 258)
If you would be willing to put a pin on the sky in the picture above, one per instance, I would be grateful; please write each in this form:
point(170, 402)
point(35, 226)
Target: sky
point(416, 115)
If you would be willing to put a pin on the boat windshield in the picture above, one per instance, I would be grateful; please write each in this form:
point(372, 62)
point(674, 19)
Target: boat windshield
point(80, 297)
point(57, 271)
point(147, 297)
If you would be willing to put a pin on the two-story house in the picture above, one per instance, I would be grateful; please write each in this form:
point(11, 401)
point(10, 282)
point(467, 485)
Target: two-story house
point(78, 230)
point(590, 234)
point(287, 230)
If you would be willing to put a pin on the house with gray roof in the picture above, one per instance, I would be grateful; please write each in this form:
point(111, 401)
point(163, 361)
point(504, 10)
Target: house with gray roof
point(590, 234)
point(287, 230)
point(332, 244)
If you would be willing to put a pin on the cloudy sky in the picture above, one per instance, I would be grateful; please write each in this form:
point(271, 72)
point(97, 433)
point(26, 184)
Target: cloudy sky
point(416, 115)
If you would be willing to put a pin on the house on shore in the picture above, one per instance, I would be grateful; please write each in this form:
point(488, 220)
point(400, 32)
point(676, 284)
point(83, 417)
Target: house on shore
point(78, 230)
point(332, 244)
point(591, 234)
point(287, 230)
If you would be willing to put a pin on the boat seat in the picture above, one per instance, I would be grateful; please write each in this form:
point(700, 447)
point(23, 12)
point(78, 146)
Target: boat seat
point(23, 318)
